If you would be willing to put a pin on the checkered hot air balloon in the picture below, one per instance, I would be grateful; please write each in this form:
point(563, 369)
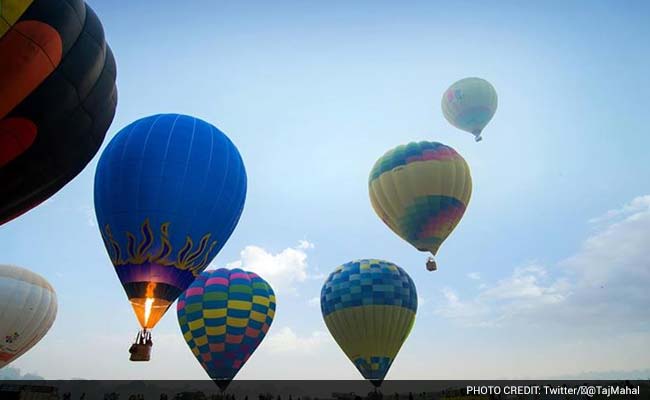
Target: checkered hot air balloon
point(369, 308)
point(57, 98)
point(421, 190)
point(224, 315)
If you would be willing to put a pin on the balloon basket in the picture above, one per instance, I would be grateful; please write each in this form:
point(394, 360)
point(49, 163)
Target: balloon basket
point(141, 349)
point(431, 264)
point(140, 352)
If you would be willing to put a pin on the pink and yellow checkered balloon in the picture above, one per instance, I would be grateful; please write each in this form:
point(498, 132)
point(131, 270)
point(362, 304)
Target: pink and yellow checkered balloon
point(224, 315)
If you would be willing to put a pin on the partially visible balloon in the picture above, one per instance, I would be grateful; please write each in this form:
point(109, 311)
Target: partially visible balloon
point(421, 190)
point(169, 191)
point(224, 315)
point(469, 105)
point(57, 98)
point(369, 308)
point(27, 311)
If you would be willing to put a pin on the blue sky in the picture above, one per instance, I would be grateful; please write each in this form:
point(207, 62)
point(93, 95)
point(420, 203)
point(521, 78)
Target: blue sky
point(312, 93)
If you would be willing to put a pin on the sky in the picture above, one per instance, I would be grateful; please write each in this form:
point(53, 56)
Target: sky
point(547, 274)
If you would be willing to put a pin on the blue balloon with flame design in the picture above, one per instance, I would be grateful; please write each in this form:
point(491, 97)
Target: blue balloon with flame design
point(169, 191)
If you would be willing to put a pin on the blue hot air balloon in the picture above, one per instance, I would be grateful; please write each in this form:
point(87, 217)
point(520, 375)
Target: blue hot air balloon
point(169, 191)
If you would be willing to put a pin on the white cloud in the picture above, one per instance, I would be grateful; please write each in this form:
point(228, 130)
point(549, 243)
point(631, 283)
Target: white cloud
point(316, 275)
point(305, 245)
point(612, 268)
point(287, 341)
point(281, 270)
point(618, 251)
point(639, 203)
point(89, 214)
point(604, 283)
point(527, 284)
point(314, 302)
point(469, 313)
point(519, 294)
point(474, 275)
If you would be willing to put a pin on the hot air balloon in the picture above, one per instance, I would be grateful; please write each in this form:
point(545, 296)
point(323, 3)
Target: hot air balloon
point(169, 191)
point(421, 190)
point(57, 98)
point(469, 105)
point(224, 316)
point(27, 311)
point(369, 308)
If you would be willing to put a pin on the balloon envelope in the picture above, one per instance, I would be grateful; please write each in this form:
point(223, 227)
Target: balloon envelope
point(369, 308)
point(57, 97)
point(421, 190)
point(224, 315)
point(27, 311)
point(470, 104)
point(169, 191)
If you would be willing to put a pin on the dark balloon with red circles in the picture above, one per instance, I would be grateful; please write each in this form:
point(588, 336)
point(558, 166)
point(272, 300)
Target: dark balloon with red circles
point(57, 98)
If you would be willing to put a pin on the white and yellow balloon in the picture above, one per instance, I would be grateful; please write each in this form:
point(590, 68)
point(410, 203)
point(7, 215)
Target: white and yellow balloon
point(469, 105)
point(27, 311)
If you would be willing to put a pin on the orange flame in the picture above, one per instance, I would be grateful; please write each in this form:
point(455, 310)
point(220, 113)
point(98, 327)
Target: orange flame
point(148, 303)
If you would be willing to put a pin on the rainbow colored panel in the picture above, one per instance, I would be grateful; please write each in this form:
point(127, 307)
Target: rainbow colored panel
point(403, 155)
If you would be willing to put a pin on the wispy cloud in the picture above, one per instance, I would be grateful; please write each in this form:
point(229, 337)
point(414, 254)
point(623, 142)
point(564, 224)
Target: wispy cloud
point(305, 245)
point(89, 215)
point(314, 302)
point(606, 280)
point(286, 340)
point(474, 275)
point(637, 204)
point(527, 284)
point(470, 313)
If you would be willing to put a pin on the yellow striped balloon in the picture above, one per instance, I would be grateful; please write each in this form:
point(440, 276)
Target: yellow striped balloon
point(27, 311)
point(469, 105)
point(421, 190)
point(369, 308)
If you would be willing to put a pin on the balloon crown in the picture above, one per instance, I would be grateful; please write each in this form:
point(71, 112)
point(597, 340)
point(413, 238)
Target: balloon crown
point(189, 257)
point(411, 152)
